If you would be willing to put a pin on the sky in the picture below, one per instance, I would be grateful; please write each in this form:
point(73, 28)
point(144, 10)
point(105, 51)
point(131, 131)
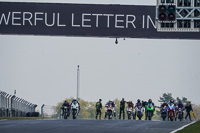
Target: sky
point(43, 69)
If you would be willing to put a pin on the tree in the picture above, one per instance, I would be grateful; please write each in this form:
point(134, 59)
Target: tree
point(183, 100)
point(166, 97)
point(117, 107)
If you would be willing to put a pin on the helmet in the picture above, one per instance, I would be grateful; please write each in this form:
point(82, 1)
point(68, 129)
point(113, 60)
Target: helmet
point(138, 100)
point(171, 101)
point(74, 100)
point(130, 101)
point(150, 101)
point(110, 100)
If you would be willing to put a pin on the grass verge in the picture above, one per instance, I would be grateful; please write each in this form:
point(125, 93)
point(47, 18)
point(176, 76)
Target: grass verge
point(194, 128)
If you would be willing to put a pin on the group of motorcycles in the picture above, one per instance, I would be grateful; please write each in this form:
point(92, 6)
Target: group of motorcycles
point(72, 109)
point(132, 113)
point(171, 112)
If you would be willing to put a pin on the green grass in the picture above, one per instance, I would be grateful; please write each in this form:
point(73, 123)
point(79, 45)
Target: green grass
point(194, 128)
point(21, 118)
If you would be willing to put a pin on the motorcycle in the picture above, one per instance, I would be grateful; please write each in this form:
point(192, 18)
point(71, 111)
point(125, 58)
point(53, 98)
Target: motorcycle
point(74, 108)
point(149, 111)
point(66, 112)
point(171, 112)
point(163, 113)
point(129, 111)
point(110, 111)
point(180, 114)
point(139, 111)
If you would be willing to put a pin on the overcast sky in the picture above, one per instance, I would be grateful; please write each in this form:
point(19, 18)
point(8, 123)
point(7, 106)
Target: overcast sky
point(43, 69)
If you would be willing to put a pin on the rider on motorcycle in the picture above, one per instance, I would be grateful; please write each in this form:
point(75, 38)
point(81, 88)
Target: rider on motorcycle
point(138, 104)
point(170, 103)
point(112, 103)
point(129, 110)
point(163, 105)
point(65, 104)
point(130, 104)
point(75, 100)
point(180, 106)
point(149, 102)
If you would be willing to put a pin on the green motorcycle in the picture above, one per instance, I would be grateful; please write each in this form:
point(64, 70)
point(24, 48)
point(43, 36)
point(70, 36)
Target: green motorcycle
point(149, 111)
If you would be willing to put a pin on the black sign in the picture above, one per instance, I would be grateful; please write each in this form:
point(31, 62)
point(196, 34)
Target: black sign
point(83, 20)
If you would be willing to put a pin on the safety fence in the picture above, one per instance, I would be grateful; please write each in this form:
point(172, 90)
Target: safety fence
point(13, 106)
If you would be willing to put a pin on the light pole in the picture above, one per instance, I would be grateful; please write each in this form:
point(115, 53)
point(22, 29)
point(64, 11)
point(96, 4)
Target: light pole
point(78, 82)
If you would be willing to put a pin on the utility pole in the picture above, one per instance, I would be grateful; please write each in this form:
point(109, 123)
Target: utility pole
point(78, 82)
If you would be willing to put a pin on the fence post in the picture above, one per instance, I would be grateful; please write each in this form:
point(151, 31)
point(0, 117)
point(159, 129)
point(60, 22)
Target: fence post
point(1, 97)
point(6, 100)
point(11, 105)
point(42, 111)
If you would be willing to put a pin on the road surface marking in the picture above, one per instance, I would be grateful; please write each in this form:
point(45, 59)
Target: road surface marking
point(182, 127)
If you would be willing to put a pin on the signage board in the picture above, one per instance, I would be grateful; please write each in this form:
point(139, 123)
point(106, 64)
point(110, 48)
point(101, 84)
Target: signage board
point(85, 20)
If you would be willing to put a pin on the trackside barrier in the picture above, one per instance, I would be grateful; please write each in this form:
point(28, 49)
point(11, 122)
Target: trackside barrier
point(12, 106)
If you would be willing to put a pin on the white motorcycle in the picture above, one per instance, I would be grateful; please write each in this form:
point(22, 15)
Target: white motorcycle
point(139, 111)
point(74, 108)
point(110, 111)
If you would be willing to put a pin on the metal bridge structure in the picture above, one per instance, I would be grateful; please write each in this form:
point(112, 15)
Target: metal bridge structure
point(178, 15)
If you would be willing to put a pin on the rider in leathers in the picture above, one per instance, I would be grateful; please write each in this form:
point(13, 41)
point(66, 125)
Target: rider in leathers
point(170, 103)
point(98, 108)
point(65, 104)
point(149, 102)
point(110, 102)
point(138, 104)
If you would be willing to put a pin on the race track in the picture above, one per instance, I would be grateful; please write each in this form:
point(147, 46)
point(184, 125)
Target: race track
point(88, 126)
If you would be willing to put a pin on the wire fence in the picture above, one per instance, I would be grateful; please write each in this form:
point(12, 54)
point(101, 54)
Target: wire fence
point(13, 106)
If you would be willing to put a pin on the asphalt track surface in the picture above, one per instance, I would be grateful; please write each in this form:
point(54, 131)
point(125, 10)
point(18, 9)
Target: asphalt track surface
point(88, 126)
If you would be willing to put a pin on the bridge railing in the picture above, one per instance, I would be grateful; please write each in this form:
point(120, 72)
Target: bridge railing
point(13, 106)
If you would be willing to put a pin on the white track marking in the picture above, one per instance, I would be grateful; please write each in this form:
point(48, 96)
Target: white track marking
point(182, 127)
